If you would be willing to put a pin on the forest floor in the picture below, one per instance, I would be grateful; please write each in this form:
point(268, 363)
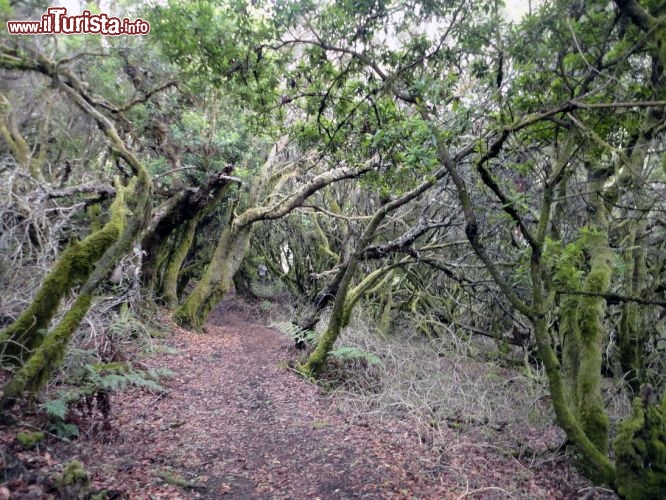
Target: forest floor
point(237, 422)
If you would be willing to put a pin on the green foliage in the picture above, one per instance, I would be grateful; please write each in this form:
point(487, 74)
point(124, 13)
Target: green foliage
point(74, 473)
point(64, 430)
point(5, 10)
point(295, 332)
point(56, 408)
point(218, 43)
point(73, 267)
point(97, 380)
point(74, 482)
point(125, 326)
point(355, 353)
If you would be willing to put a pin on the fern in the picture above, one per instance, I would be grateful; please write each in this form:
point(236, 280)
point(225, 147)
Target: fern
point(64, 430)
point(295, 332)
point(99, 378)
point(56, 408)
point(125, 325)
point(347, 352)
point(115, 376)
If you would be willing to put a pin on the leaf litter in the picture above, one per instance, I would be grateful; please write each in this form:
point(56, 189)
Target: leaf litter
point(236, 422)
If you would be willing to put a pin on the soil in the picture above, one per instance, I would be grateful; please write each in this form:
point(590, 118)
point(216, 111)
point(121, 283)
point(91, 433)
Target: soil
point(237, 422)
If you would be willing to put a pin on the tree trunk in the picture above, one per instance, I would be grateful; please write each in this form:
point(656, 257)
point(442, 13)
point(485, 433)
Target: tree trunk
point(175, 249)
point(640, 449)
point(106, 245)
point(234, 241)
point(591, 411)
point(218, 277)
point(178, 250)
point(170, 217)
point(340, 314)
point(72, 268)
point(39, 367)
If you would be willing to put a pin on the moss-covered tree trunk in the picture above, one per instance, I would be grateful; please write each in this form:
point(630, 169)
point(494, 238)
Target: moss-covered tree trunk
point(218, 277)
point(179, 248)
point(640, 446)
point(538, 311)
point(640, 449)
point(591, 411)
point(342, 306)
point(234, 242)
point(633, 331)
point(174, 252)
point(318, 357)
point(39, 367)
point(72, 268)
point(166, 237)
point(309, 320)
point(77, 264)
point(570, 341)
point(581, 321)
point(385, 317)
point(632, 334)
point(375, 279)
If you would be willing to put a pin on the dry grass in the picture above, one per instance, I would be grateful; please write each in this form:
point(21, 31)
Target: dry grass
point(437, 383)
point(441, 384)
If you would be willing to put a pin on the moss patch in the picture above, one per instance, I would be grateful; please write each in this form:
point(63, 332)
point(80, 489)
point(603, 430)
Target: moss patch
point(74, 482)
point(640, 450)
point(29, 440)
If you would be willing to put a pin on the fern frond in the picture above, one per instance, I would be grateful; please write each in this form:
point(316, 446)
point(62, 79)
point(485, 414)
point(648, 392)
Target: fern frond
point(295, 332)
point(56, 408)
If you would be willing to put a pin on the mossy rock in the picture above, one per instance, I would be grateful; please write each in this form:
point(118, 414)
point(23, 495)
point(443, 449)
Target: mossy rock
point(29, 440)
point(74, 482)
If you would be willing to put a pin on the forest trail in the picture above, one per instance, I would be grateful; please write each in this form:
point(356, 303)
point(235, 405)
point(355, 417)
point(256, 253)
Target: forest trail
point(237, 423)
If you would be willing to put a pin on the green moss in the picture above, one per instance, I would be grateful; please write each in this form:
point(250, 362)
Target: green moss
point(95, 214)
point(72, 268)
point(581, 334)
point(37, 370)
point(566, 418)
point(174, 251)
point(74, 482)
point(217, 278)
point(29, 440)
point(177, 256)
point(591, 411)
point(317, 358)
point(74, 473)
point(640, 449)
point(570, 340)
point(384, 324)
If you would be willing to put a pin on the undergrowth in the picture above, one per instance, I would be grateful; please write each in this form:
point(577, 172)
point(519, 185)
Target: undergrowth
point(104, 358)
point(443, 384)
point(434, 382)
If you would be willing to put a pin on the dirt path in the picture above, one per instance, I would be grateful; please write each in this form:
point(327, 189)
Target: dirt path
point(236, 422)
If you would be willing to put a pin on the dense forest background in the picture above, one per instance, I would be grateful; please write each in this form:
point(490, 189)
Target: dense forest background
point(415, 177)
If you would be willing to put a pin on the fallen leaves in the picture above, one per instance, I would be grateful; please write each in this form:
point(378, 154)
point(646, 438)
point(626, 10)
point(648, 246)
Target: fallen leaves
point(237, 422)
